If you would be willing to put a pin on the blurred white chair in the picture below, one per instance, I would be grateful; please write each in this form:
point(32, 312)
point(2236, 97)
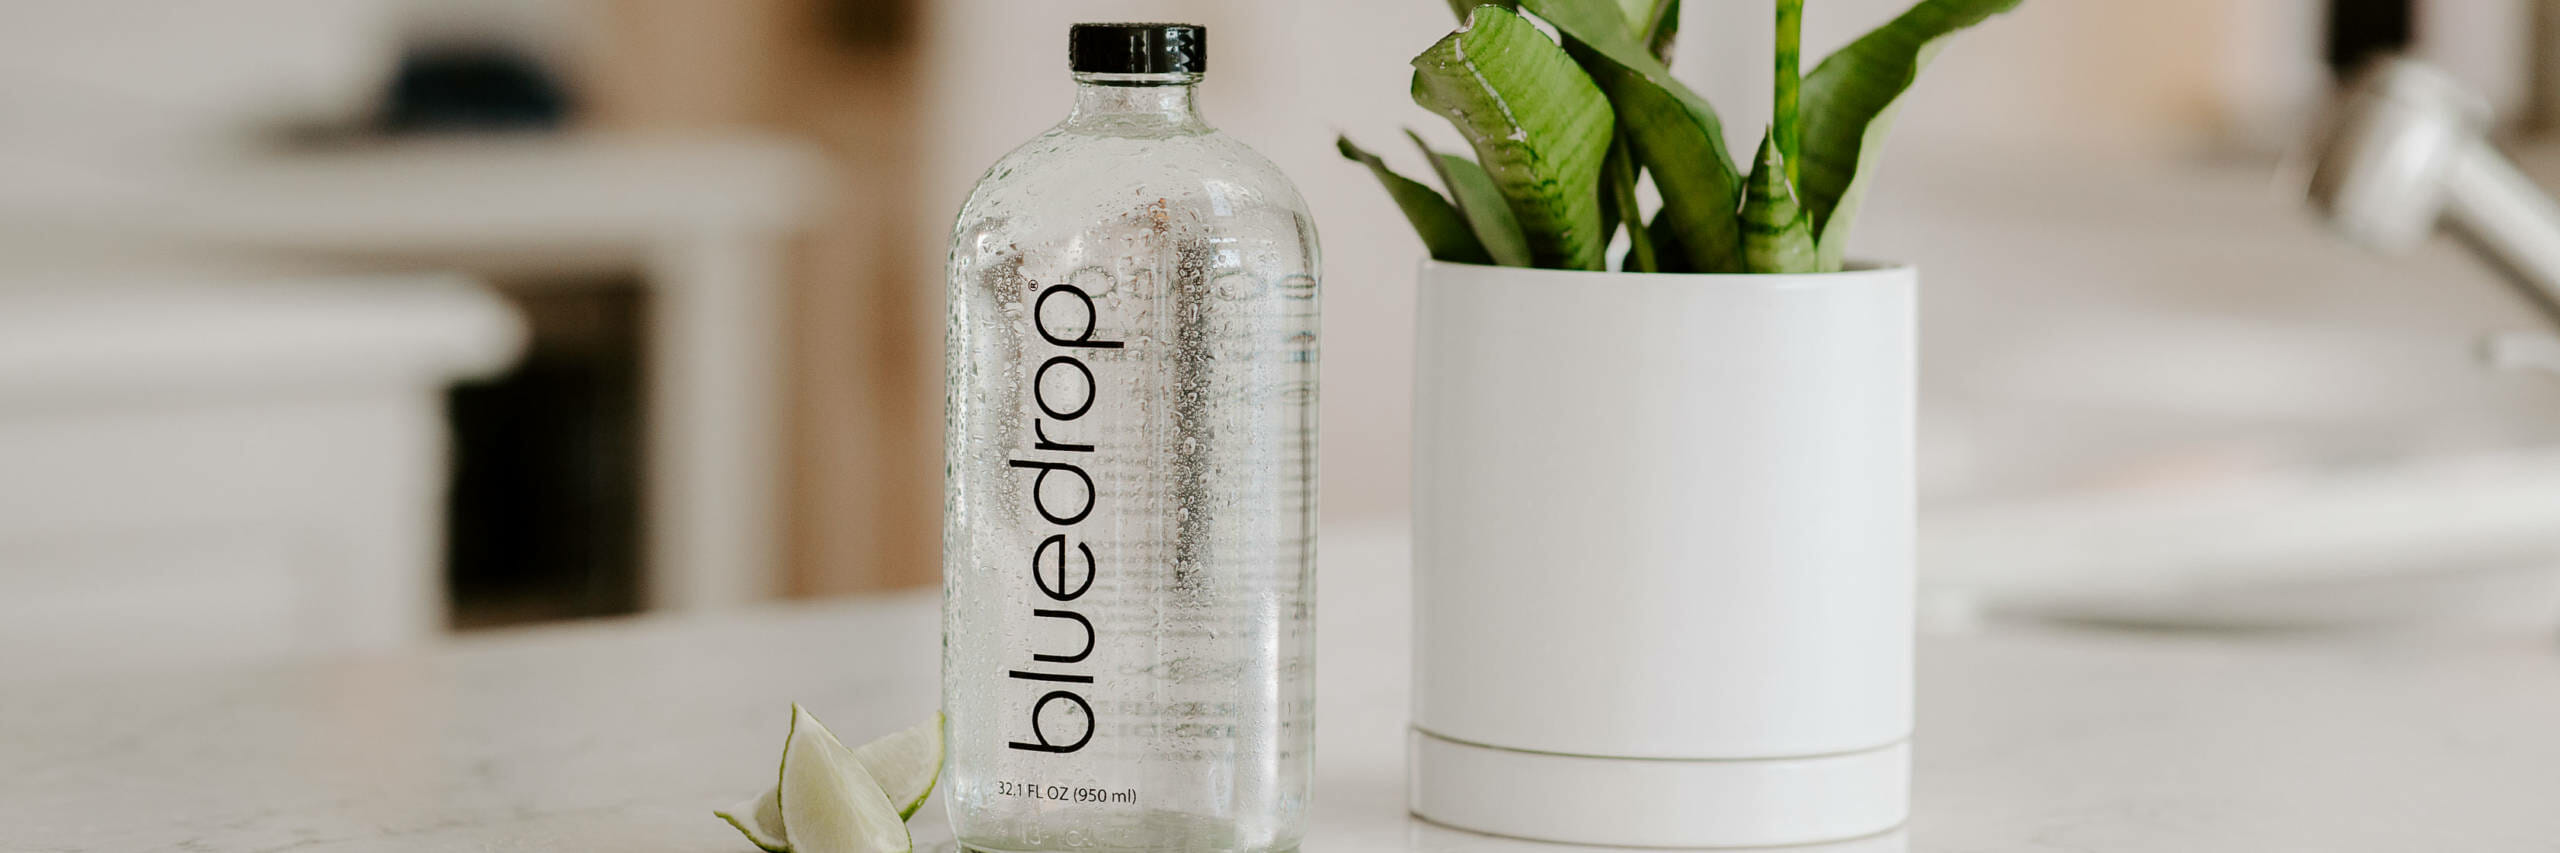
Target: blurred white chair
point(225, 471)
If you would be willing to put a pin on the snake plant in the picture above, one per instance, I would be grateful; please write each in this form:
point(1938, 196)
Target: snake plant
point(1562, 129)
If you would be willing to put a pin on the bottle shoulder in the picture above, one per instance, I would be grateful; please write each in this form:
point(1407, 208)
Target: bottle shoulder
point(1062, 168)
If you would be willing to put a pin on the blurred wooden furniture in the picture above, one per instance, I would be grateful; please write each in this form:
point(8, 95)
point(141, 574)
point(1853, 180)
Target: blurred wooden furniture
point(217, 471)
point(864, 497)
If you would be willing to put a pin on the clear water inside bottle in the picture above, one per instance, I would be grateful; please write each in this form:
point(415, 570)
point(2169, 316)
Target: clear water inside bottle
point(1130, 507)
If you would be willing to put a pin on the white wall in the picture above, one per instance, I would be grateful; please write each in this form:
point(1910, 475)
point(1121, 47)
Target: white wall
point(118, 80)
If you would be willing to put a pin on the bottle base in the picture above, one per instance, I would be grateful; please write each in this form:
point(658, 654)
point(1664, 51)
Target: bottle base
point(1163, 849)
point(1149, 832)
point(1168, 847)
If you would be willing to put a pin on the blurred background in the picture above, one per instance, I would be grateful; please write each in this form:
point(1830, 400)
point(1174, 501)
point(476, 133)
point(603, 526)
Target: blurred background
point(329, 324)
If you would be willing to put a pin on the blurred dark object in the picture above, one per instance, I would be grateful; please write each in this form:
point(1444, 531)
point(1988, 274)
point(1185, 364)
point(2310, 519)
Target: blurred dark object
point(473, 88)
point(871, 24)
point(545, 505)
point(2359, 30)
point(2542, 104)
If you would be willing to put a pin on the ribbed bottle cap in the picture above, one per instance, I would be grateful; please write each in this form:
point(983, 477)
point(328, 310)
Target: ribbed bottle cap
point(1138, 48)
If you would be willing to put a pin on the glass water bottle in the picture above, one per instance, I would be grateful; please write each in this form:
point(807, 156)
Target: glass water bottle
point(1129, 520)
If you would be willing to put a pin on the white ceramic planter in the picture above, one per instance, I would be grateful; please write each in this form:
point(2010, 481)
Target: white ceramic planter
point(1662, 555)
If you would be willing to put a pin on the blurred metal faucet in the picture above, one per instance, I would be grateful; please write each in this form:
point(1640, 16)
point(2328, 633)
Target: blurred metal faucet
point(2406, 150)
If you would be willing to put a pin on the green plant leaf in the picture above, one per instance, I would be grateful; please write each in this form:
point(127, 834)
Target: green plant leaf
point(1662, 28)
point(1611, 168)
point(1444, 232)
point(1480, 203)
point(1848, 105)
point(1637, 14)
point(1790, 41)
point(1672, 130)
point(1462, 7)
point(1668, 257)
point(1777, 236)
point(1539, 126)
point(1620, 180)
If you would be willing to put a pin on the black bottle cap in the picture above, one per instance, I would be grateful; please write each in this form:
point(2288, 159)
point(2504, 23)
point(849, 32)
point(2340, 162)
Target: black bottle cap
point(1138, 48)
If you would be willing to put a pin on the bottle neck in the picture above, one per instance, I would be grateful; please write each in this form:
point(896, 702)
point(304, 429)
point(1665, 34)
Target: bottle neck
point(1141, 103)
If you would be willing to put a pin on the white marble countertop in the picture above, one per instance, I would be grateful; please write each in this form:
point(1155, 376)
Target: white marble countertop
point(624, 735)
